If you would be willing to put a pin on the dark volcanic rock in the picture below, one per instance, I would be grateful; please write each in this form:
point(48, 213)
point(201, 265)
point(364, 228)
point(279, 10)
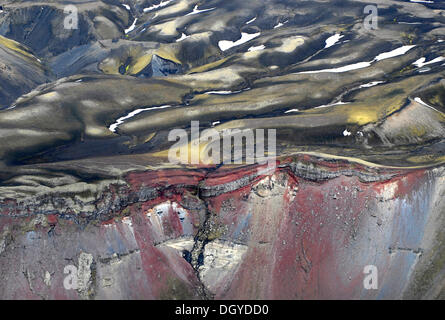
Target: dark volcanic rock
point(160, 68)
point(20, 71)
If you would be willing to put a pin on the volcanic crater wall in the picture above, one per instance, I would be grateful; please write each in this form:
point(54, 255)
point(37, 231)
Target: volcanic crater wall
point(215, 235)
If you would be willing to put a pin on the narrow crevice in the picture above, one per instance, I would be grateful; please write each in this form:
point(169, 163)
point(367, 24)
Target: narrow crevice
point(196, 255)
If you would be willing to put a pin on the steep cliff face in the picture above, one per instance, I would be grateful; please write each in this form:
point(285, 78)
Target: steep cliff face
point(215, 234)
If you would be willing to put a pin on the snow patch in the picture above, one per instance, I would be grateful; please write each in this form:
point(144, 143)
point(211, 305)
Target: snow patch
point(245, 37)
point(371, 84)
point(257, 48)
point(331, 105)
point(333, 40)
point(279, 25)
point(421, 1)
point(157, 6)
point(131, 28)
point(418, 100)
point(402, 22)
point(394, 53)
point(355, 66)
point(222, 92)
point(250, 21)
point(197, 11)
point(421, 62)
point(360, 65)
point(121, 120)
point(183, 37)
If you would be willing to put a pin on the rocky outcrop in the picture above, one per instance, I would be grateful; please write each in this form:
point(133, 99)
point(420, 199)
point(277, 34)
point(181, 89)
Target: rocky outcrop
point(279, 235)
